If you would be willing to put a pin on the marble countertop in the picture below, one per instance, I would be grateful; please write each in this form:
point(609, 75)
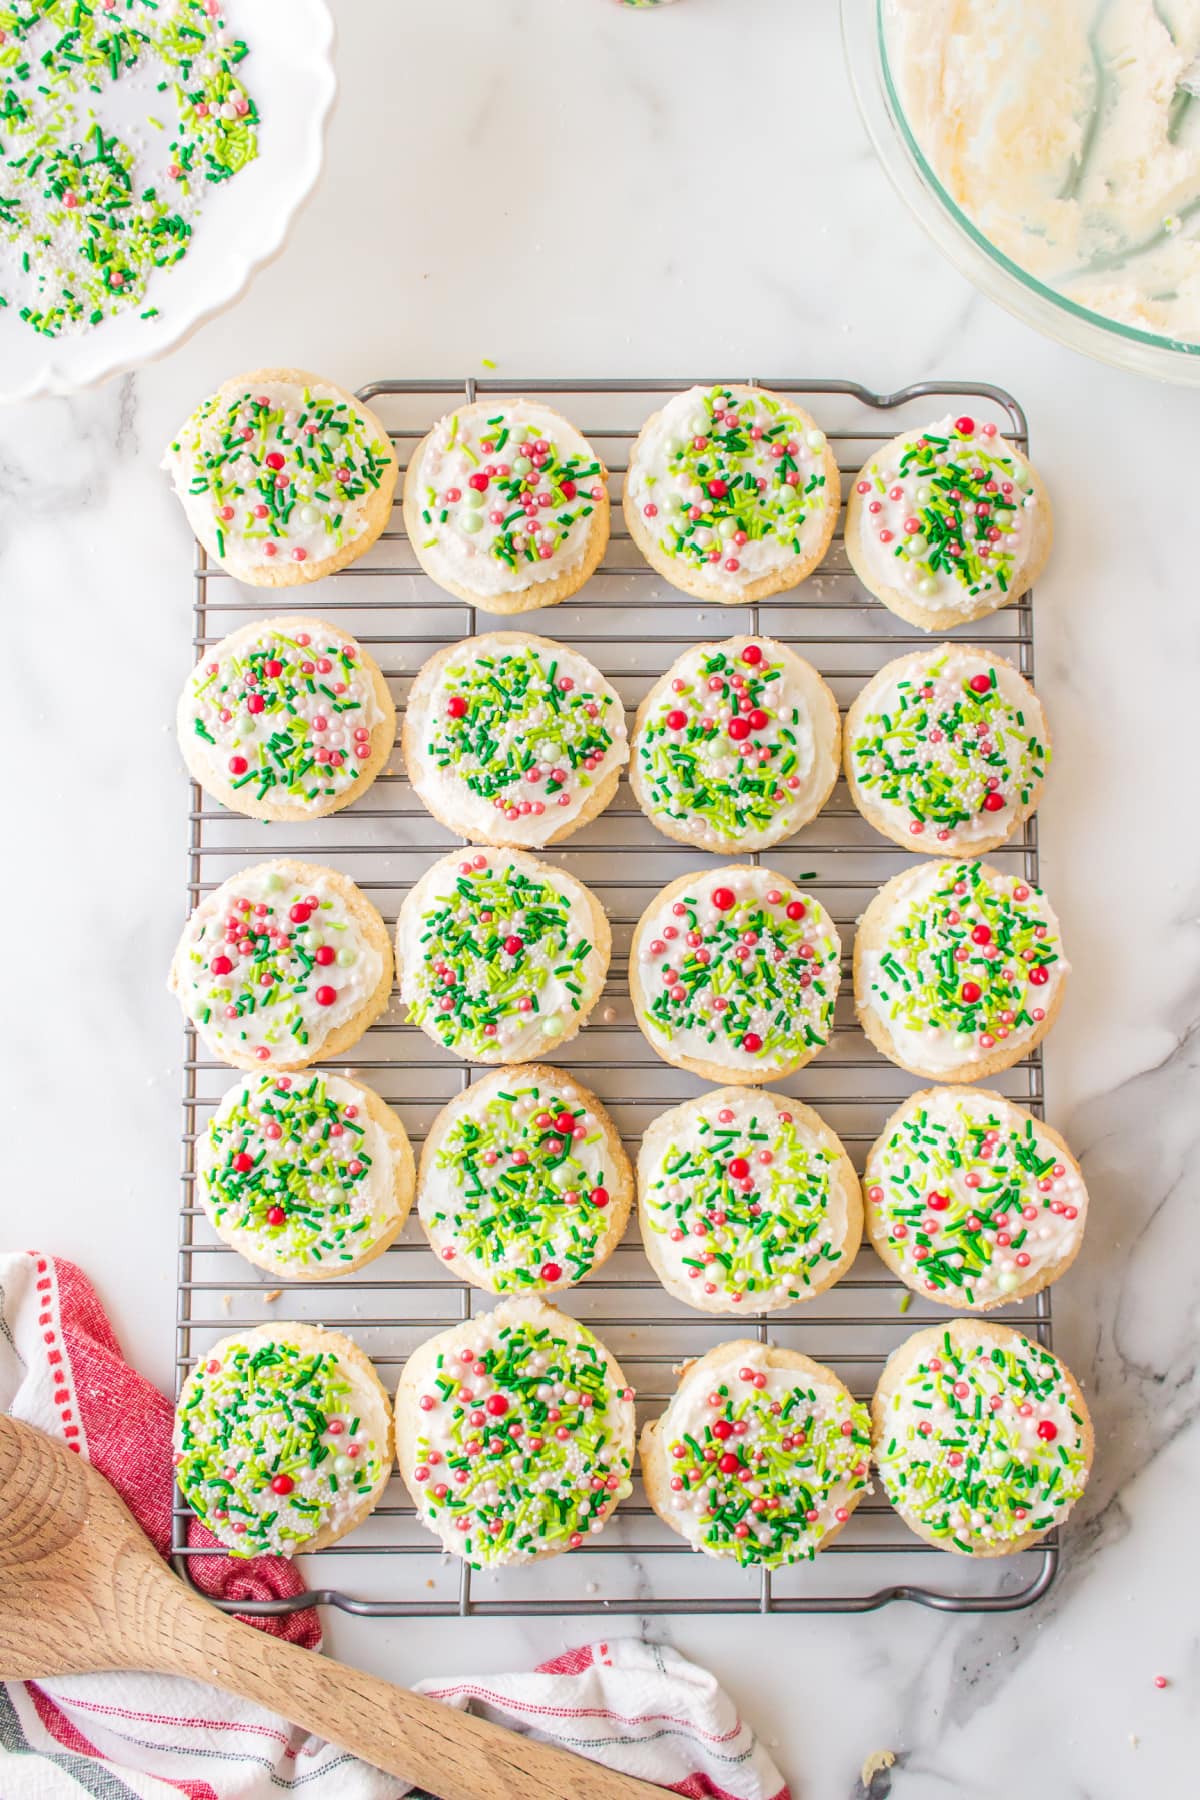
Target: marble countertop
point(570, 187)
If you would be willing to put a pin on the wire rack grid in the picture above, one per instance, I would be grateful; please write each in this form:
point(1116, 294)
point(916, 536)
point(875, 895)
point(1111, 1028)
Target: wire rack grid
point(632, 625)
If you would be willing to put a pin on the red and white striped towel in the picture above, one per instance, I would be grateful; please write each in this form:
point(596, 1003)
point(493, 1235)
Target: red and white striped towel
point(637, 1707)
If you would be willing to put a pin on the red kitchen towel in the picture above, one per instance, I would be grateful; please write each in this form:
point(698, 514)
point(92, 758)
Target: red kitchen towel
point(68, 1377)
point(637, 1707)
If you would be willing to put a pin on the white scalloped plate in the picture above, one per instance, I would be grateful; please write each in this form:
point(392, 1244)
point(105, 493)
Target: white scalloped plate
point(243, 225)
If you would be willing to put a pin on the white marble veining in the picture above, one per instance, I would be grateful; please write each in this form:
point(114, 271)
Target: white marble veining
point(573, 187)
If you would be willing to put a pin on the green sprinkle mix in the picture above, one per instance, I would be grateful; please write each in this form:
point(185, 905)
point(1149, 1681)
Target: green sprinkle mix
point(298, 1164)
point(766, 1463)
point(522, 1184)
point(525, 1441)
point(732, 482)
point(951, 750)
point(970, 955)
point(981, 1444)
point(267, 1449)
point(85, 215)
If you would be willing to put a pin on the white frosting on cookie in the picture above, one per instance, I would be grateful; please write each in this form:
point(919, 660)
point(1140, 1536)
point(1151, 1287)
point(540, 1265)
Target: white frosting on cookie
point(296, 1167)
point(951, 766)
point(519, 1184)
point(968, 960)
point(975, 1199)
point(261, 970)
point(732, 483)
point(513, 739)
point(274, 1443)
point(741, 970)
point(523, 1435)
point(744, 1198)
point(508, 491)
point(797, 1448)
point(283, 716)
point(981, 1442)
point(736, 745)
point(496, 955)
point(949, 514)
point(270, 471)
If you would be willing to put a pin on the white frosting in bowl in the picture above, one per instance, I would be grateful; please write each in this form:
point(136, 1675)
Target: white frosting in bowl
point(1070, 135)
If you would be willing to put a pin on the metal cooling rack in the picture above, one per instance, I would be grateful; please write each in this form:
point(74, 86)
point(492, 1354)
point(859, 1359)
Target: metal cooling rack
point(633, 625)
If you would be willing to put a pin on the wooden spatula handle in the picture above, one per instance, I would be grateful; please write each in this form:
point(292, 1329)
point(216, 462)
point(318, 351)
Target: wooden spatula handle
point(456, 1757)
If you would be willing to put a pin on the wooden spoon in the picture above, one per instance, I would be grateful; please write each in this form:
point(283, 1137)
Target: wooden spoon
point(81, 1588)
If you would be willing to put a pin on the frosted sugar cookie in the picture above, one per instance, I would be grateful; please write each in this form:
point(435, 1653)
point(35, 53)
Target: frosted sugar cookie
point(947, 524)
point(500, 957)
point(732, 493)
point(524, 1185)
point(971, 1201)
point(513, 739)
point(946, 751)
point(506, 505)
point(286, 719)
point(514, 1434)
point(958, 970)
point(982, 1438)
point(283, 1439)
point(283, 964)
point(736, 746)
point(284, 477)
point(747, 1202)
point(761, 1455)
point(305, 1175)
point(733, 974)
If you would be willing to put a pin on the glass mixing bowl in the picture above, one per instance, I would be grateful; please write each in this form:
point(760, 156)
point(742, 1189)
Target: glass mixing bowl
point(994, 273)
